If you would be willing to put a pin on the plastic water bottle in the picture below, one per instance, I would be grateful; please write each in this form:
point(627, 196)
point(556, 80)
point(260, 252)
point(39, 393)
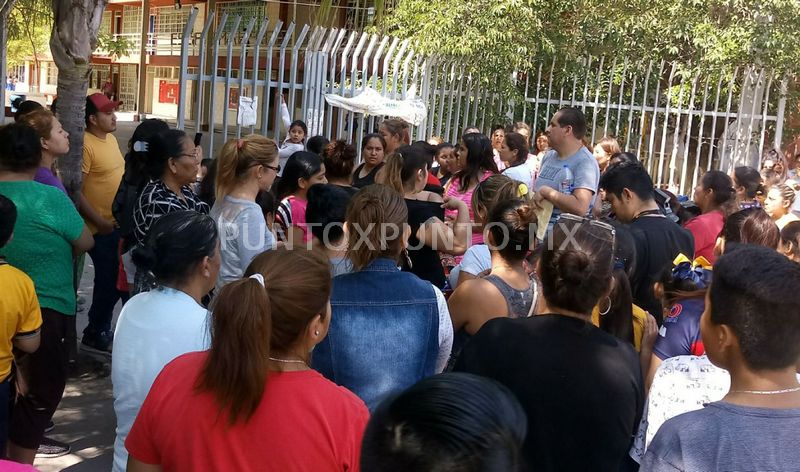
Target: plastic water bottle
point(566, 181)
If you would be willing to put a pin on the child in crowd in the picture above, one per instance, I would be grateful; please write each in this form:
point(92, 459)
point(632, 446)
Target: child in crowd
point(477, 261)
point(202, 172)
point(445, 161)
point(755, 336)
point(681, 289)
point(266, 200)
point(303, 170)
point(295, 137)
point(20, 316)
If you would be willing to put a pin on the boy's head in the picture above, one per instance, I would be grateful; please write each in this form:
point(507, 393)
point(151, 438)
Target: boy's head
point(752, 313)
point(627, 186)
point(8, 217)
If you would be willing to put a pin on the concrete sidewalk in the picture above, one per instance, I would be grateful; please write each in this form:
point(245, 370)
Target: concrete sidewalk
point(85, 418)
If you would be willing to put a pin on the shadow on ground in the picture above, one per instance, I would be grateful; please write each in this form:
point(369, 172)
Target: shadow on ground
point(85, 419)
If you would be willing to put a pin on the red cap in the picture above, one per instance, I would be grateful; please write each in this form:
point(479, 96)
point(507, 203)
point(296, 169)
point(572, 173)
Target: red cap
point(103, 103)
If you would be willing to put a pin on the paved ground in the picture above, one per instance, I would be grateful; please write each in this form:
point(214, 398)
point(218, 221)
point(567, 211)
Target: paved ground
point(85, 418)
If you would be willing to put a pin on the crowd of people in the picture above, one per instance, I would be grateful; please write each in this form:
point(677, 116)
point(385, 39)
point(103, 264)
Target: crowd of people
point(510, 302)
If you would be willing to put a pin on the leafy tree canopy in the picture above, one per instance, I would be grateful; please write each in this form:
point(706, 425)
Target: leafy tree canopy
point(29, 25)
point(503, 35)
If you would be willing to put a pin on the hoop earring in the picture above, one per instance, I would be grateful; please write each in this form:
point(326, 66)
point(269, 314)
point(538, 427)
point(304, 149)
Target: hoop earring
point(603, 313)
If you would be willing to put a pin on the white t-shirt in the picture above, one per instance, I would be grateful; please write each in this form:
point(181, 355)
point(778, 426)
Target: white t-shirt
point(153, 329)
point(476, 260)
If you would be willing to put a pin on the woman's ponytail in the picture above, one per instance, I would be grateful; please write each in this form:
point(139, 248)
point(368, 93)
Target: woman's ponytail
point(238, 360)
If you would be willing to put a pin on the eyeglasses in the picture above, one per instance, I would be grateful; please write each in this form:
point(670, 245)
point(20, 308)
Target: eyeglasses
point(193, 155)
point(275, 168)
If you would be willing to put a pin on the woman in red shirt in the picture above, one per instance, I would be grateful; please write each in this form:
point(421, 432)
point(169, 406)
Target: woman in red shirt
point(251, 402)
point(716, 198)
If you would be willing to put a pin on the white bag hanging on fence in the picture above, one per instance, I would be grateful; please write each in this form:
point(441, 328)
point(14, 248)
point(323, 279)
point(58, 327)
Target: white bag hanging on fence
point(370, 102)
point(247, 111)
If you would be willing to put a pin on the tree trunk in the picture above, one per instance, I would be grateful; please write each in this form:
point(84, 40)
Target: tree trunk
point(76, 24)
point(72, 86)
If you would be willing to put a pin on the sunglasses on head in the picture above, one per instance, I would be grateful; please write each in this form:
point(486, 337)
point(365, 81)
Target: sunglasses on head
point(592, 222)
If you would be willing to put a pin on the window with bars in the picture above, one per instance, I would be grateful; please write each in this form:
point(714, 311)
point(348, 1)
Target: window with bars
point(100, 73)
point(169, 20)
point(128, 86)
point(52, 74)
point(249, 9)
point(131, 20)
point(18, 72)
point(105, 23)
point(168, 72)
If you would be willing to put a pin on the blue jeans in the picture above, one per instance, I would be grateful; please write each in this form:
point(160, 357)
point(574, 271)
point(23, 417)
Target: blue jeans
point(105, 256)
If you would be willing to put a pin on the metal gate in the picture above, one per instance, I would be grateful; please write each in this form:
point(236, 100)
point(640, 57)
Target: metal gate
point(679, 123)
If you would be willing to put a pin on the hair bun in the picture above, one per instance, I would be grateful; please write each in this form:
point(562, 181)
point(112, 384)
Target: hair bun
point(573, 267)
point(345, 151)
point(526, 215)
point(144, 257)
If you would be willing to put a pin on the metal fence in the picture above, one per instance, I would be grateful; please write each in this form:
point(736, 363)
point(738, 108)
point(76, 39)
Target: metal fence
point(679, 123)
point(305, 63)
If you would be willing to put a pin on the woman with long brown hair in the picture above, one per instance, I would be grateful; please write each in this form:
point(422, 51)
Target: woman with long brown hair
point(477, 164)
point(252, 402)
point(604, 149)
point(390, 329)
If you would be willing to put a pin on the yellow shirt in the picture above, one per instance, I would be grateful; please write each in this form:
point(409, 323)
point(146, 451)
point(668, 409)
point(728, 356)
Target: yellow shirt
point(102, 168)
point(639, 317)
point(19, 312)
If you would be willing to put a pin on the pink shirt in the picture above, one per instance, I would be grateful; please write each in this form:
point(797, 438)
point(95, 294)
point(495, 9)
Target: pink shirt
point(292, 212)
point(466, 197)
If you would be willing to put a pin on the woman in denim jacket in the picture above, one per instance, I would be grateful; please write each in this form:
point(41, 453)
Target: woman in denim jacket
point(389, 328)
